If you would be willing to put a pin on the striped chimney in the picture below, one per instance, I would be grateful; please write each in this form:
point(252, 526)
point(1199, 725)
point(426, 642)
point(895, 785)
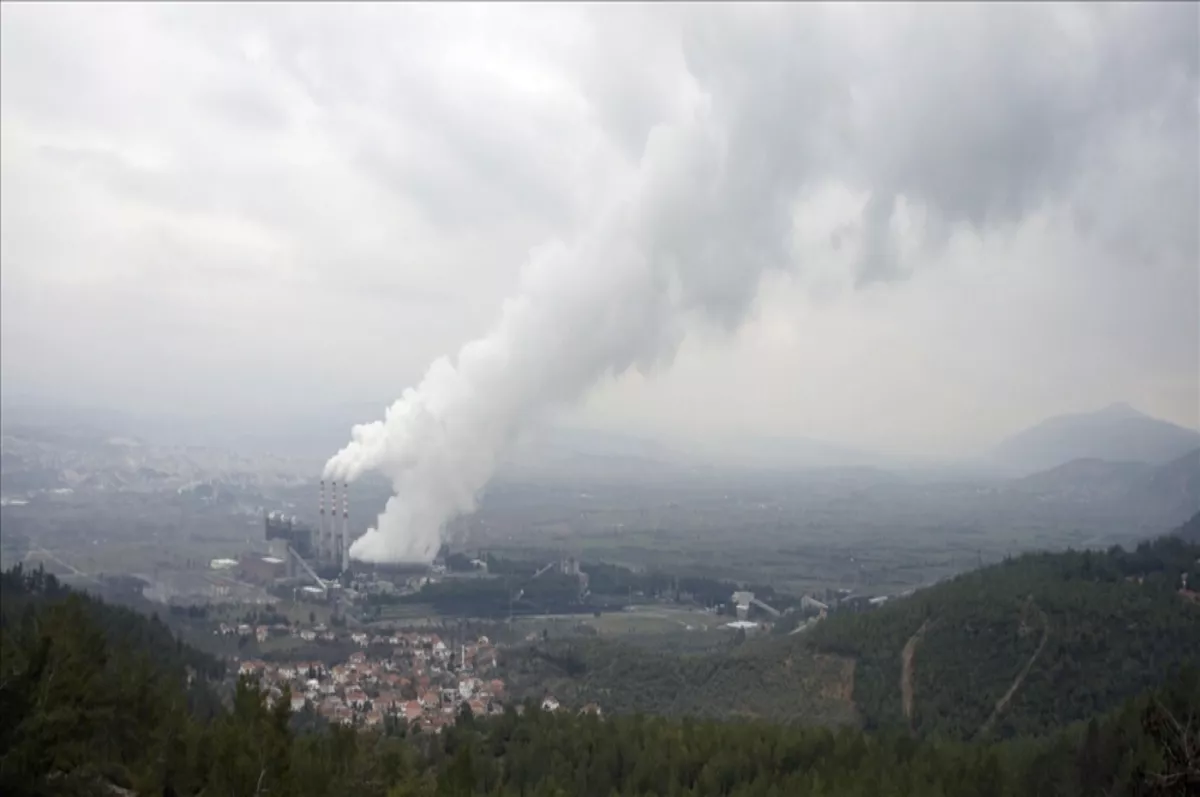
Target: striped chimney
point(345, 529)
point(333, 524)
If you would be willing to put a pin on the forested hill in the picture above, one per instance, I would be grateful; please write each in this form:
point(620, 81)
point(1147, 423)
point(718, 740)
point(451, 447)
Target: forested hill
point(767, 678)
point(1190, 531)
point(1024, 646)
point(26, 595)
point(1052, 638)
point(87, 715)
point(91, 695)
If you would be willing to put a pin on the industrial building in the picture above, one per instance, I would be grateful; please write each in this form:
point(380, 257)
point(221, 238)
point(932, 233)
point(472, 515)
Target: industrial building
point(262, 570)
point(304, 550)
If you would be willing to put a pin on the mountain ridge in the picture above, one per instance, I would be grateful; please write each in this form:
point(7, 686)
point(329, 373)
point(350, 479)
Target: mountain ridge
point(1116, 433)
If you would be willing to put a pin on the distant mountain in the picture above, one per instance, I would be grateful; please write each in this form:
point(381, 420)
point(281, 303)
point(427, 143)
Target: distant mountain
point(1160, 496)
point(1176, 485)
point(1117, 433)
point(1087, 478)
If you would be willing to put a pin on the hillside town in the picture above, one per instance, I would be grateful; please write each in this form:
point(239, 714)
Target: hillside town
point(410, 677)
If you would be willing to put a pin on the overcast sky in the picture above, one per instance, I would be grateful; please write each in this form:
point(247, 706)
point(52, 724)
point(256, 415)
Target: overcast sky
point(993, 210)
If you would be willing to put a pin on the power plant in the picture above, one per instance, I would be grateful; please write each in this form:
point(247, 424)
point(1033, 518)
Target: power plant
point(303, 550)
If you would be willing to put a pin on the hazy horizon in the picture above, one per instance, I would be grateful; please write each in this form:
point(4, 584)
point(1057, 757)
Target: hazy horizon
point(314, 432)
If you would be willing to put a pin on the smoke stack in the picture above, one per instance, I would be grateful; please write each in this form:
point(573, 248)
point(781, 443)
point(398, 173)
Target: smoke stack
point(321, 530)
point(345, 543)
point(331, 539)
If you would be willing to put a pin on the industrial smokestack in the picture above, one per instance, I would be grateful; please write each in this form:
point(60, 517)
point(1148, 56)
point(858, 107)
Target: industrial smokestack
point(321, 531)
point(345, 540)
point(331, 540)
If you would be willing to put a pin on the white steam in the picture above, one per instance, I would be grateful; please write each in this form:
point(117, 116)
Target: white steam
point(611, 301)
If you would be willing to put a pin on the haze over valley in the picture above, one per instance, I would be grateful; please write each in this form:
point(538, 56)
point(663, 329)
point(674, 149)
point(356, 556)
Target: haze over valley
point(799, 515)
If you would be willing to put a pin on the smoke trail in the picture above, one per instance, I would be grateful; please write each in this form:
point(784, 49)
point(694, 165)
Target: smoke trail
point(608, 302)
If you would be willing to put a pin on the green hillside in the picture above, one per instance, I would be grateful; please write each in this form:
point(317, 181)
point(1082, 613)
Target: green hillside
point(766, 679)
point(1024, 646)
point(92, 695)
point(1052, 638)
point(96, 706)
point(26, 595)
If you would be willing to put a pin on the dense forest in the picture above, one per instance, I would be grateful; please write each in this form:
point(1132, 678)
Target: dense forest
point(89, 711)
point(97, 700)
point(764, 679)
point(1053, 638)
point(25, 594)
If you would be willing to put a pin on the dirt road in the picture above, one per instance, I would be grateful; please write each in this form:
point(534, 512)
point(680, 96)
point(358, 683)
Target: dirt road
point(1020, 679)
point(906, 671)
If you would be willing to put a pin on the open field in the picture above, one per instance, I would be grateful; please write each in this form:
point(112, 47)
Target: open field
point(662, 628)
point(653, 619)
point(657, 620)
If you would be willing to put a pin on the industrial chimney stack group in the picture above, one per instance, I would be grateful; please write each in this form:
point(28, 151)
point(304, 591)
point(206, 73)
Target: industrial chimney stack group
point(334, 544)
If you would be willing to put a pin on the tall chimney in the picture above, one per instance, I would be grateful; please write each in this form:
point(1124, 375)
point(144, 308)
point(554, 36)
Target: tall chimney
point(321, 531)
point(331, 539)
point(345, 528)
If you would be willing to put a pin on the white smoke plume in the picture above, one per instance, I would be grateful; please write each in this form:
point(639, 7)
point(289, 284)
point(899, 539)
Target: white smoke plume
point(606, 303)
point(777, 102)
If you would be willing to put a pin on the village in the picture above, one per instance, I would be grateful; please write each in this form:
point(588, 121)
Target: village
point(410, 677)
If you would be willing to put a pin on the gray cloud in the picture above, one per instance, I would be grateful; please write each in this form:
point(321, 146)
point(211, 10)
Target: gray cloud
point(376, 176)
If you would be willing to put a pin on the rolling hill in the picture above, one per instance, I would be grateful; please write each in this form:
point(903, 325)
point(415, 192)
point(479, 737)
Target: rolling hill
point(1015, 649)
point(1023, 646)
point(1162, 496)
point(1117, 433)
point(1176, 485)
